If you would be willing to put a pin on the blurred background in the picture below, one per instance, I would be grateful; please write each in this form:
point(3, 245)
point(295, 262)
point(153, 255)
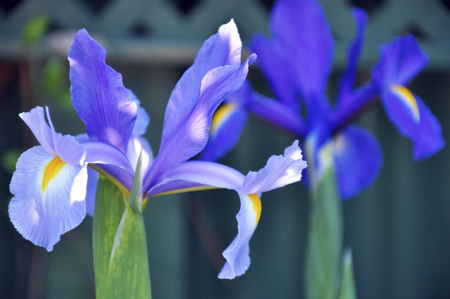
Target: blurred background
point(398, 229)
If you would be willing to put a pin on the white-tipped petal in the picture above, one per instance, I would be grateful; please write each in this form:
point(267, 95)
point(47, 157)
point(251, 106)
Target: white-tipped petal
point(279, 171)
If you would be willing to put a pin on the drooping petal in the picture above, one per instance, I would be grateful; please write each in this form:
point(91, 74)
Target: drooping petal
point(301, 29)
point(357, 158)
point(49, 197)
point(348, 80)
point(142, 119)
point(280, 171)
point(414, 120)
point(186, 130)
point(98, 94)
point(238, 253)
point(35, 120)
point(222, 48)
point(226, 129)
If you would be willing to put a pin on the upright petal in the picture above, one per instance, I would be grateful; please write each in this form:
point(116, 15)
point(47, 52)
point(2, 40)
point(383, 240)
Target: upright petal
point(222, 48)
point(186, 130)
point(98, 94)
point(49, 197)
point(273, 63)
point(301, 30)
point(348, 80)
point(357, 159)
point(142, 118)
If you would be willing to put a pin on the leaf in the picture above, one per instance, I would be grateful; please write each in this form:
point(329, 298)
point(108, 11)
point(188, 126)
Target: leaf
point(136, 190)
point(35, 29)
point(325, 236)
point(128, 273)
point(109, 210)
point(120, 247)
point(348, 289)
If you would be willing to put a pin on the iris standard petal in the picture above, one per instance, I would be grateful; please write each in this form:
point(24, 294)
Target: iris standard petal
point(273, 64)
point(238, 253)
point(35, 120)
point(414, 120)
point(301, 29)
point(280, 171)
point(226, 129)
point(348, 80)
point(186, 130)
point(142, 118)
point(357, 158)
point(49, 197)
point(222, 48)
point(98, 94)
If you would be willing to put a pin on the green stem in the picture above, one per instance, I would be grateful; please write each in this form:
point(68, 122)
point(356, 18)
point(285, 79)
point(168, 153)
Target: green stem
point(325, 231)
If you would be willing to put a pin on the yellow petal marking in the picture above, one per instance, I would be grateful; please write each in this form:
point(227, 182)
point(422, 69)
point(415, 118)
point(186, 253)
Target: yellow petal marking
point(256, 206)
point(408, 98)
point(51, 171)
point(221, 116)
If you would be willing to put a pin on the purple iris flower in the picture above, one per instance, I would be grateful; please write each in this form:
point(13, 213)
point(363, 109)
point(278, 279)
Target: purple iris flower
point(297, 61)
point(52, 180)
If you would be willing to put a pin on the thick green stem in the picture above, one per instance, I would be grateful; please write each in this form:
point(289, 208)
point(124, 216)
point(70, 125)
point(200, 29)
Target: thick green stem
point(325, 231)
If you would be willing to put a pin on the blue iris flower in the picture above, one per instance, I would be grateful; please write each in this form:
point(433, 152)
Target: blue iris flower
point(54, 184)
point(297, 62)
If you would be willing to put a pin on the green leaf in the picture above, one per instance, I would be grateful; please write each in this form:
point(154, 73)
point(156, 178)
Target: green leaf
point(53, 74)
point(9, 160)
point(35, 29)
point(136, 190)
point(109, 210)
point(348, 289)
point(128, 273)
point(120, 247)
point(325, 234)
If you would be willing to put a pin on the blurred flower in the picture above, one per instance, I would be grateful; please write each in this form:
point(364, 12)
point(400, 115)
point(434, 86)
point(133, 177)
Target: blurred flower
point(297, 61)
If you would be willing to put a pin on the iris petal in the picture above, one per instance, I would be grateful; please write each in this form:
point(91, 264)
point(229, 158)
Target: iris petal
point(42, 216)
point(426, 133)
point(357, 158)
point(226, 129)
point(222, 48)
point(98, 94)
point(186, 130)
